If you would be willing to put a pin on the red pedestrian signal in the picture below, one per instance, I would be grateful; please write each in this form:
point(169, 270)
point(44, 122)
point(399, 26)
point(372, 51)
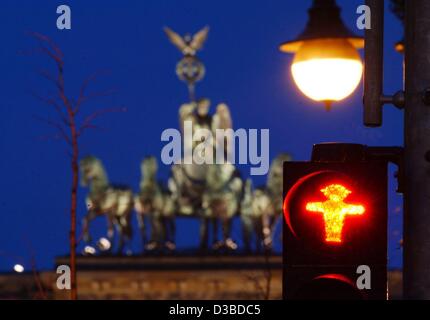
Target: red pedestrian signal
point(335, 216)
point(334, 210)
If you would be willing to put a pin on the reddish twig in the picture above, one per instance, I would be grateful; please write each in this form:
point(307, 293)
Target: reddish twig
point(87, 123)
point(82, 97)
point(36, 275)
point(47, 40)
point(56, 125)
point(53, 103)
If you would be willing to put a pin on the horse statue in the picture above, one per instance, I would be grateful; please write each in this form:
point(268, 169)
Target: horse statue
point(255, 213)
point(158, 205)
point(262, 207)
point(275, 185)
point(114, 202)
point(220, 203)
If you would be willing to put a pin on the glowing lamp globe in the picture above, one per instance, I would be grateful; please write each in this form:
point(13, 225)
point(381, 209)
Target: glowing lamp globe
point(331, 74)
point(18, 268)
point(326, 66)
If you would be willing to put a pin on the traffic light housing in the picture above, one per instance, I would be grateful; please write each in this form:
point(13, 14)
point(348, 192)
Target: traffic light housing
point(335, 220)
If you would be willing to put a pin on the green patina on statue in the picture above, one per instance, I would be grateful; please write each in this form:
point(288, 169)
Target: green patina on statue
point(220, 203)
point(215, 201)
point(261, 208)
point(213, 193)
point(158, 206)
point(114, 202)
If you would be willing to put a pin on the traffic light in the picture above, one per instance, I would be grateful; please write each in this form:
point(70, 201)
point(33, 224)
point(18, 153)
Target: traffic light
point(335, 227)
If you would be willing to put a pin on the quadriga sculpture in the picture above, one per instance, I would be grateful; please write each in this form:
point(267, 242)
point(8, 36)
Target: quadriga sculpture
point(103, 199)
point(158, 206)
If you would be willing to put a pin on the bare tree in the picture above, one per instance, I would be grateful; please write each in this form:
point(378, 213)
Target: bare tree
point(262, 282)
point(68, 128)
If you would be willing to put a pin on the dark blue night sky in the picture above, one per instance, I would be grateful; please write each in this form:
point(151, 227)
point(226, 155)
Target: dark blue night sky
point(244, 69)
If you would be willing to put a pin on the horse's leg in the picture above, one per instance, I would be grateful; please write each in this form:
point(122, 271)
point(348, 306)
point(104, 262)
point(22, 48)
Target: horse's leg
point(216, 243)
point(156, 231)
point(128, 231)
point(247, 232)
point(226, 228)
point(120, 242)
point(169, 225)
point(259, 235)
point(273, 225)
point(91, 215)
point(110, 228)
point(142, 229)
point(121, 235)
point(162, 239)
point(267, 232)
point(162, 232)
point(172, 222)
point(204, 233)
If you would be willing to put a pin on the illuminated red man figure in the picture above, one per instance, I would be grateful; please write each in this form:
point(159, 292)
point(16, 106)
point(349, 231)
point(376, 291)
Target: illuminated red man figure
point(335, 210)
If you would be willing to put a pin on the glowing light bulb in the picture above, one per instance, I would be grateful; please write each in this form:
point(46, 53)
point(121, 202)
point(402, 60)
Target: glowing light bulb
point(327, 69)
point(89, 250)
point(104, 244)
point(19, 268)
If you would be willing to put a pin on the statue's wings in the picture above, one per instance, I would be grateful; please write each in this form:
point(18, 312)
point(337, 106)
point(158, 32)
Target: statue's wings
point(199, 38)
point(175, 38)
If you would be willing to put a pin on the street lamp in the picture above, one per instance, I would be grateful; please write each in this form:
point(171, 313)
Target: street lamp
point(326, 66)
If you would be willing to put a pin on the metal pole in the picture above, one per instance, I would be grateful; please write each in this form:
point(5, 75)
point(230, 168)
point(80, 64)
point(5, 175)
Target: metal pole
point(373, 65)
point(416, 259)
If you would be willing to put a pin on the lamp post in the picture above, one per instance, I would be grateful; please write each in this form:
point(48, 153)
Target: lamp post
point(322, 39)
point(416, 102)
point(326, 66)
point(416, 263)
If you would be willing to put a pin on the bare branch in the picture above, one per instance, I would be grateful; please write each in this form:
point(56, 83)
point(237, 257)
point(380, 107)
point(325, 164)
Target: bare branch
point(84, 87)
point(55, 104)
point(80, 238)
point(48, 41)
point(58, 60)
point(93, 95)
point(48, 76)
point(30, 52)
point(89, 126)
point(87, 123)
point(36, 274)
point(55, 136)
point(54, 52)
point(57, 126)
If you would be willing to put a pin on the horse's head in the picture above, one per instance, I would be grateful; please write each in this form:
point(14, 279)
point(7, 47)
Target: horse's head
point(149, 167)
point(275, 175)
point(91, 168)
point(277, 163)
